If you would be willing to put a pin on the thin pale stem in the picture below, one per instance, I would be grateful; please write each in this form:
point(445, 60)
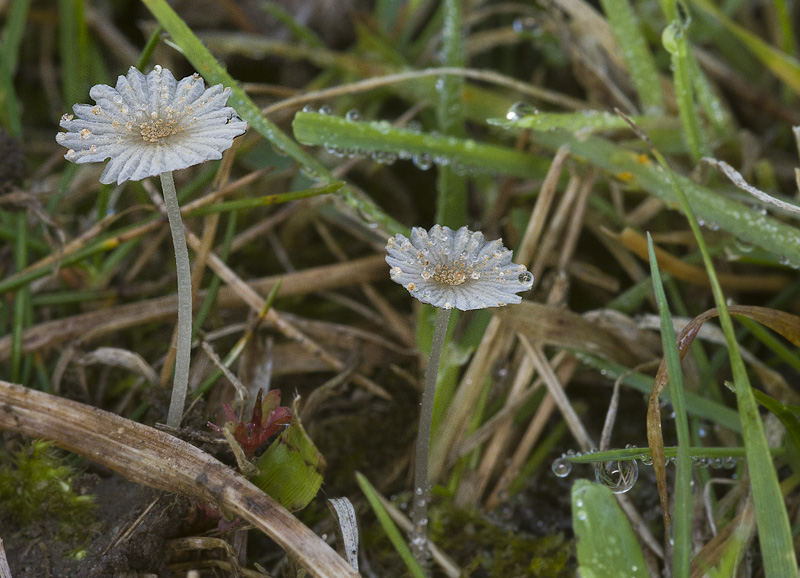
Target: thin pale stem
point(419, 513)
point(184, 341)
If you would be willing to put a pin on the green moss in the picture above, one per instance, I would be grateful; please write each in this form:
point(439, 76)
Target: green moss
point(477, 543)
point(36, 486)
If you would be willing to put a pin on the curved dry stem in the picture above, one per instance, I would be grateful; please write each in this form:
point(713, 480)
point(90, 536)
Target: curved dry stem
point(487, 76)
point(147, 456)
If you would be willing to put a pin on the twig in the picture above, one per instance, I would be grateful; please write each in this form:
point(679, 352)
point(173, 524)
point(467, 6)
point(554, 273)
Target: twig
point(147, 456)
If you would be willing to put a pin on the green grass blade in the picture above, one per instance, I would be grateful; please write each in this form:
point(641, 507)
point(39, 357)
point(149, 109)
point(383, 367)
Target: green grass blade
point(701, 452)
point(716, 112)
point(682, 516)
point(773, 343)
point(149, 48)
point(583, 122)
point(783, 24)
point(677, 44)
point(205, 63)
point(638, 58)
point(774, 531)
point(451, 205)
point(337, 133)
point(266, 200)
point(782, 65)
point(789, 415)
point(73, 50)
point(12, 37)
point(299, 31)
point(607, 547)
point(389, 526)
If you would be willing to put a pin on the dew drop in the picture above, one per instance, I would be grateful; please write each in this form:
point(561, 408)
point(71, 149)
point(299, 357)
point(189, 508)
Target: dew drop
point(520, 110)
point(308, 108)
point(619, 476)
point(414, 126)
point(526, 278)
point(562, 467)
point(325, 109)
point(353, 115)
point(423, 161)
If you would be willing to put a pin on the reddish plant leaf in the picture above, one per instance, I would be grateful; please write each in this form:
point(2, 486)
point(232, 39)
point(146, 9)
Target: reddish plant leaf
point(252, 434)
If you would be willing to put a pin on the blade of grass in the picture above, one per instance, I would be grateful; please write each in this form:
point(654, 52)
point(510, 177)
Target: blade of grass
point(774, 531)
point(300, 31)
point(12, 37)
point(715, 110)
point(369, 137)
point(777, 347)
point(788, 414)
point(682, 515)
point(782, 65)
point(266, 200)
point(205, 63)
point(584, 122)
point(607, 546)
point(389, 527)
point(451, 187)
point(149, 48)
point(675, 41)
point(72, 37)
point(638, 58)
point(699, 452)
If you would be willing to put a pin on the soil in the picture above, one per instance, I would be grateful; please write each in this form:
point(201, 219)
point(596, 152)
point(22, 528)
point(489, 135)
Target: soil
point(122, 539)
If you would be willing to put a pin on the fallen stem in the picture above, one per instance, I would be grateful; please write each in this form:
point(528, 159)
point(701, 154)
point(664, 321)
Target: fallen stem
point(151, 457)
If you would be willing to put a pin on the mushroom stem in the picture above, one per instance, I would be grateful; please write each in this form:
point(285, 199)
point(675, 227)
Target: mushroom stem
point(184, 341)
point(421, 497)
